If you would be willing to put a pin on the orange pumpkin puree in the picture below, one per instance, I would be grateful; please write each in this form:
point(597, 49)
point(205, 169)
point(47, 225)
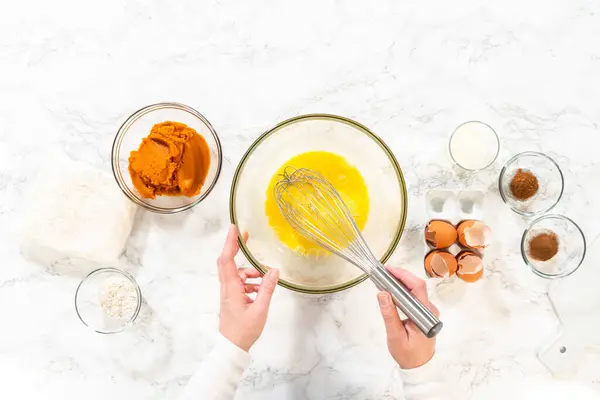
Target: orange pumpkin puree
point(172, 160)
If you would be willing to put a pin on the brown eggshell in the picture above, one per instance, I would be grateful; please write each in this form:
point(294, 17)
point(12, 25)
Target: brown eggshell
point(427, 264)
point(470, 267)
point(440, 234)
point(476, 227)
point(440, 264)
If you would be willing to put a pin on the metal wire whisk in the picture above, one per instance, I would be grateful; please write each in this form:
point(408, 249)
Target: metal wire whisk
point(313, 207)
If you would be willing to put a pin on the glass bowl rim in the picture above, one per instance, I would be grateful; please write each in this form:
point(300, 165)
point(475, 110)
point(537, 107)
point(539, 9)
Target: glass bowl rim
point(504, 196)
point(524, 251)
point(127, 276)
point(117, 146)
point(497, 148)
point(331, 117)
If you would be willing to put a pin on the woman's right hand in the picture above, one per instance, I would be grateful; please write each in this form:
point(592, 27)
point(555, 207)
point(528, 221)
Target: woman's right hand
point(406, 343)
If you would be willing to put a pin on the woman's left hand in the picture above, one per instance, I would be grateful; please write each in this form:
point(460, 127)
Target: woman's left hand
point(241, 319)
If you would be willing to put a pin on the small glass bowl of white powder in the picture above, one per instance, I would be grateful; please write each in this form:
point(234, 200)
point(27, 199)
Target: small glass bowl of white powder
point(108, 300)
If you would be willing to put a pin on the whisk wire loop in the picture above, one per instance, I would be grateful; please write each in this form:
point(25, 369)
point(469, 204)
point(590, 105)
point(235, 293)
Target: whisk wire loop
point(316, 211)
point(313, 207)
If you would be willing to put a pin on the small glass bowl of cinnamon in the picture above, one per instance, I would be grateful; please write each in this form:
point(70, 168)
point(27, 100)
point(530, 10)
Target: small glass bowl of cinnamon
point(553, 246)
point(166, 157)
point(531, 183)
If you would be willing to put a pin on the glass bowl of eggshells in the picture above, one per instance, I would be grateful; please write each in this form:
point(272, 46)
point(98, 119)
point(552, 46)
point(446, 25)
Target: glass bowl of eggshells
point(321, 142)
point(137, 127)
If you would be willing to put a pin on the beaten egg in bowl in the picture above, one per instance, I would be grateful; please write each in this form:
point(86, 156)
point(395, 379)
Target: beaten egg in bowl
point(345, 178)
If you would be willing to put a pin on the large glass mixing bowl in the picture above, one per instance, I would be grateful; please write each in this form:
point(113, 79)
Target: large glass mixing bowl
point(317, 132)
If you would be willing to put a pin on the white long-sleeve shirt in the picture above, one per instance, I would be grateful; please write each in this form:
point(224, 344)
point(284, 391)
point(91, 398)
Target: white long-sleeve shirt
point(219, 375)
point(220, 372)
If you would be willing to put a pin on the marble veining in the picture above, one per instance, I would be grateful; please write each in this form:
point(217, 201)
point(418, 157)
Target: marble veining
point(72, 71)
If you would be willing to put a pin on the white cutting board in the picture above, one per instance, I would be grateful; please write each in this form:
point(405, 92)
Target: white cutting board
point(574, 351)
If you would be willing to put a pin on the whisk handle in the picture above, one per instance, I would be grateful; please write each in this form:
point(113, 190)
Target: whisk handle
point(424, 319)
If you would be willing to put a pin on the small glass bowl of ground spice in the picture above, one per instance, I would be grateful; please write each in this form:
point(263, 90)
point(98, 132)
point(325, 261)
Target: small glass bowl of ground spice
point(553, 246)
point(108, 300)
point(531, 183)
point(166, 157)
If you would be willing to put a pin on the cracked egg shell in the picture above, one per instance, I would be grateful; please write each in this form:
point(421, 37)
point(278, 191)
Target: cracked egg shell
point(474, 234)
point(440, 264)
point(440, 234)
point(470, 267)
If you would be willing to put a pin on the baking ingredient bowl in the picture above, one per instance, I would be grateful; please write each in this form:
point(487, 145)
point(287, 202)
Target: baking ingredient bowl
point(549, 178)
point(137, 127)
point(571, 246)
point(108, 300)
point(360, 148)
point(473, 146)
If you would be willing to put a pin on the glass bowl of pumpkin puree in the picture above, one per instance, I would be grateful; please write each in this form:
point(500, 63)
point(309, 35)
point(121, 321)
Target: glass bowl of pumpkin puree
point(359, 165)
point(166, 157)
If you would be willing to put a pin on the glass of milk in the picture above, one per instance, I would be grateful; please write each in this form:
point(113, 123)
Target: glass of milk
point(474, 145)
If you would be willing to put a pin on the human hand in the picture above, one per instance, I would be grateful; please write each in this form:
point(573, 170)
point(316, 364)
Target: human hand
point(406, 343)
point(241, 319)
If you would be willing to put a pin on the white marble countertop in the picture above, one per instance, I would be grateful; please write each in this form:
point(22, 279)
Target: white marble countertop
point(72, 71)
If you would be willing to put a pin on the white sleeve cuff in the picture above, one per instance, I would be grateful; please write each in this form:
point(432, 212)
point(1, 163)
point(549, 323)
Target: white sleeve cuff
point(238, 358)
point(219, 374)
point(424, 382)
point(424, 373)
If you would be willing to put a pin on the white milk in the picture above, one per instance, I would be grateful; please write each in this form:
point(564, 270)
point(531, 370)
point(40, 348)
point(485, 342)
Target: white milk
point(474, 145)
